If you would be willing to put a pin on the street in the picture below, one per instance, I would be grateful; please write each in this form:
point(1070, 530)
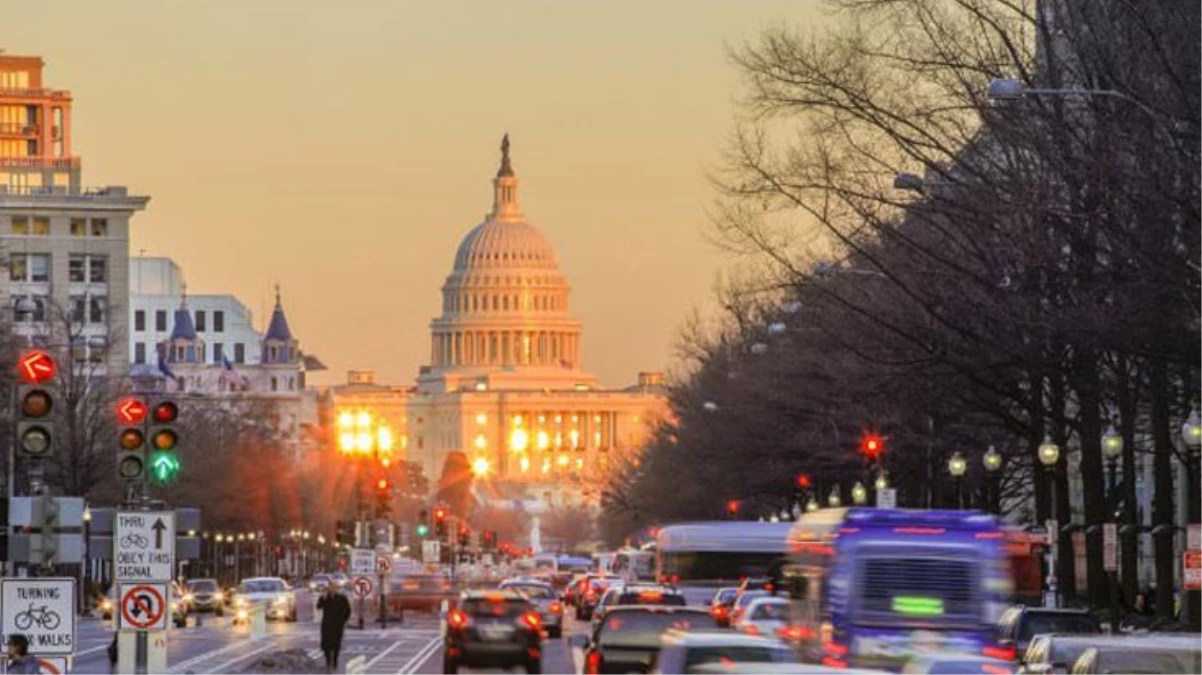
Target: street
point(217, 647)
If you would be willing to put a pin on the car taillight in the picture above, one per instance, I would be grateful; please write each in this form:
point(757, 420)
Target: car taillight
point(1003, 652)
point(532, 620)
point(751, 629)
point(719, 611)
point(556, 608)
point(794, 633)
point(592, 665)
point(591, 595)
point(457, 619)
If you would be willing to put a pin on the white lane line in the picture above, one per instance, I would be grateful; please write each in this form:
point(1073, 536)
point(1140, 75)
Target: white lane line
point(420, 657)
point(93, 650)
point(220, 668)
point(578, 659)
point(381, 655)
point(181, 667)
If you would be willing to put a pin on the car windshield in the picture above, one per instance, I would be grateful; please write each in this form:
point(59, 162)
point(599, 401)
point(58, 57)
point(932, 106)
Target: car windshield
point(643, 628)
point(532, 591)
point(771, 611)
point(202, 585)
point(502, 607)
point(263, 586)
point(738, 654)
point(747, 597)
point(320, 578)
point(1038, 624)
point(1149, 661)
point(726, 595)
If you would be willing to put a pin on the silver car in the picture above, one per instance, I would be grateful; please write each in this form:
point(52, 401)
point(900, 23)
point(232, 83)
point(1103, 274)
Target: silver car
point(544, 597)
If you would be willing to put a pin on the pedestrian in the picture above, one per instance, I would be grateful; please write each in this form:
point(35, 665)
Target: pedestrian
point(335, 613)
point(19, 660)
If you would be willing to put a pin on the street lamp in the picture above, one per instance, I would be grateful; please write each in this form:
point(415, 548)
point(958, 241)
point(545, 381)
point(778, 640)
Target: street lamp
point(1049, 456)
point(859, 494)
point(957, 466)
point(882, 482)
point(812, 505)
point(833, 500)
point(1112, 448)
point(1191, 436)
point(993, 469)
point(1191, 431)
point(86, 595)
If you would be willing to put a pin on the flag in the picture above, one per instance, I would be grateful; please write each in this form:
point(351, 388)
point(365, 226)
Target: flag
point(164, 369)
point(228, 373)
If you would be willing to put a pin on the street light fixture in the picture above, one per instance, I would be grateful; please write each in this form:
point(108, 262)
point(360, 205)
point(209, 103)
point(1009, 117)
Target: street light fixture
point(993, 469)
point(1049, 456)
point(882, 481)
point(992, 460)
point(1191, 431)
point(1049, 453)
point(812, 505)
point(859, 494)
point(957, 466)
point(833, 500)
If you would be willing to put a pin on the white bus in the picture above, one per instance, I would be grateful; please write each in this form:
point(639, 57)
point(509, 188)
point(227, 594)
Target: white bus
point(633, 565)
point(701, 557)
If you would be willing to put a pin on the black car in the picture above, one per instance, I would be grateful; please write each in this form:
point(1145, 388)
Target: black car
point(1019, 625)
point(627, 639)
point(493, 629)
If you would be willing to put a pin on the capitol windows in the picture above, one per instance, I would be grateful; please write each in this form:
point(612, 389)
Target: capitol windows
point(481, 442)
point(505, 303)
point(481, 419)
point(543, 440)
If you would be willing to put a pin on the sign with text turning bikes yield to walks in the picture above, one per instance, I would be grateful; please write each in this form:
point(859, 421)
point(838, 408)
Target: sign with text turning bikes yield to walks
point(42, 610)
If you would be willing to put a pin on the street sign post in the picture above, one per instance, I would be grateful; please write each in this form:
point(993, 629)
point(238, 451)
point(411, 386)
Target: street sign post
point(383, 564)
point(142, 607)
point(363, 561)
point(431, 552)
point(1110, 547)
point(886, 498)
point(144, 543)
point(42, 610)
point(1192, 571)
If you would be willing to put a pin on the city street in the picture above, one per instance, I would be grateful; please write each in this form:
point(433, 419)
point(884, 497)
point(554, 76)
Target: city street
point(217, 647)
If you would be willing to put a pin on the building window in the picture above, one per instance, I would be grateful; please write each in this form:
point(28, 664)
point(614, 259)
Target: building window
point(218, 321)
point(200, 321)
point(291, 384)
point(39, 267)
point(140, 352)
point(275, 385)
point(100, 227)
point(160, 320)
point(76, 265)
point(239, 353)
point(140, 320)
point(20, 225)
point(97, 269)
point(41, 227)
point(97, 307)
point(79, 227)
point(77, 308)
point(34, 309)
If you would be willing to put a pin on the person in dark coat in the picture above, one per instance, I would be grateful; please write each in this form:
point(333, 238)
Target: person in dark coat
point(335, 613)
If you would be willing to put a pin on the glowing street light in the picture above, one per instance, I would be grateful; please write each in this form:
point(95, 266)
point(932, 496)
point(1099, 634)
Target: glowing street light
point(480, 466)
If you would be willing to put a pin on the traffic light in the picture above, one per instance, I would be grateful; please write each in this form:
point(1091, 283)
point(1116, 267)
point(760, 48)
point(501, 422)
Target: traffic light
point(383, 497)
point(131, 439)
point(163, 439)
point(489, 540)
point(35, 403)
point(440, 522)
point(871, 446)
point(423, 523)
point(732, 508)
point(344, 532)
point(465, 536)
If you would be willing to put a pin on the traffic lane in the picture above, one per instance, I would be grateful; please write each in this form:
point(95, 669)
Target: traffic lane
point(557, 653)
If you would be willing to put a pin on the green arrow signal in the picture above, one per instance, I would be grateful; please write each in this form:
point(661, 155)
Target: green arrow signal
point(164, 466)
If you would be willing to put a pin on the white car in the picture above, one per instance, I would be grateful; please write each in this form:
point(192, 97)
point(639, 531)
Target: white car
point(277, 599)
point(764, 616)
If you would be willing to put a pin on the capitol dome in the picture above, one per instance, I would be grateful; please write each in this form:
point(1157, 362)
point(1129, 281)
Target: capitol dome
point(498, 244)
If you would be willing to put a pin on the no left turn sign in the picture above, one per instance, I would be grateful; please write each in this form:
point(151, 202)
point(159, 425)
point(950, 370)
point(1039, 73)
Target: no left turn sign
point(143, 607)
point(361, 587)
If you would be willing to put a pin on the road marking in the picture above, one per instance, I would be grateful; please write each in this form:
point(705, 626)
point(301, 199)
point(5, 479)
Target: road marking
point(220, 668)
point(90, 651)
point(381, 655)
point(420, 657)
point(181, 667)
point(578, 659)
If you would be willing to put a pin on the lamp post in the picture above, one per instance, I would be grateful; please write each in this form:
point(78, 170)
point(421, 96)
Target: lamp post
point(833, 500)
point(85, 596)
point(1112, 449)
point(993, 469)
point(957, 466)
point(1191, 436)
point(859, 494)
point(1049, 456)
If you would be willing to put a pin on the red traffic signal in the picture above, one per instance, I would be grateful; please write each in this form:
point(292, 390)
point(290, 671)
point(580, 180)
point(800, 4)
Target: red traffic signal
point(166, 412)
point(732, 507)
point(36, 366)
point(871, 446)
point(131, 410)
point(440, 514)
point(803, 481)
point(383, 485)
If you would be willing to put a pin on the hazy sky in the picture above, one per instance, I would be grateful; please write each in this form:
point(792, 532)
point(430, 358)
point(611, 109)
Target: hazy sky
point(345, 148)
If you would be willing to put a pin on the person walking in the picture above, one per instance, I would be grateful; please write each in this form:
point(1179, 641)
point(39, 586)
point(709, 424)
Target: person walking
point(19, 660)
point(335, 613)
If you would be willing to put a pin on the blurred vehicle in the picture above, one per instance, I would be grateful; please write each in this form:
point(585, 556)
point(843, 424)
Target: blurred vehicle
point(1051, 653)
point(278, 600)
point(180, 602)
point(1019, 625)
point(636, 595)
point(721, 605)
point(207, 596)
point(628, 639)
point(742, 601)
point(871, 588)
point(418, 591)
point(603, 562)
point(108, 602)
point(759, 668)
point(700, 557)
point(318, 583)
point(767, 616)
point(590, 595)
point(493, 629)
point(685, 652)
point(546, 601)
point(572, 590)
point(634, 565)
point(1144, 653)
point(340, 579)
point(956, 664)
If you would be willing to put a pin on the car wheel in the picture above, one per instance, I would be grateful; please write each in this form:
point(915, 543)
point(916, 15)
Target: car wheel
point(449, 665)
point(534, 666)
point(181, 623)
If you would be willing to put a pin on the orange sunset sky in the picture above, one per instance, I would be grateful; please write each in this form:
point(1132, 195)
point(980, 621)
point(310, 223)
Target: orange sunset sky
point(345, 148)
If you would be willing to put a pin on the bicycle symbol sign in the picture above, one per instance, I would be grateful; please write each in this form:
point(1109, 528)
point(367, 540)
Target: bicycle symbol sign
point(143, 606)
point(41, 609)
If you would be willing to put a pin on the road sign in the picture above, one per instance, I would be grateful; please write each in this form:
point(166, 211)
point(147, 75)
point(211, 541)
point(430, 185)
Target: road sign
point(53, 665)
point(1110, 547)
point(143, 607)
point(361, 587)
point(1192, 567)
point(1193, 537)
point(145, 546)
point(886, 498)
point(431, 552)
point(42, 610)
point(383, 564)
point(363, 561)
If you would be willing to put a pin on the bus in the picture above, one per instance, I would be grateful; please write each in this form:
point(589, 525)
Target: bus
point(870, 588)
point(699, 558)
point(633, 565)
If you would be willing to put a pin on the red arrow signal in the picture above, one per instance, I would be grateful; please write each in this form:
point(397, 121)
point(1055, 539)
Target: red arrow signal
point(36, 366)
point(131, 410)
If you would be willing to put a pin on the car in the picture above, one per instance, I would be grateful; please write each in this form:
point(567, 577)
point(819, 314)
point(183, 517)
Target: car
point(767, 616)
point(319, 582)
point(340, 579)
point(1142, 653)
point(590, 594)
point(956, 664)
point(181, 604)
point(493, 629)
point(545, 598)
point(637, 594)
point(721, 604)
point(685, 652)
point(627, 640)
point(742, 601)
point(277, 598)
point(1018, 625)
point(1051, 653)
point(572, 590)
point(207, 596)
point(418, 591)
point(108, 603)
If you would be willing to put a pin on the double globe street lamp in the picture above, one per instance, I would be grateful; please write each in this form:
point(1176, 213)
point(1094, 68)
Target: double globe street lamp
point(993, 461)
point(1049, 457)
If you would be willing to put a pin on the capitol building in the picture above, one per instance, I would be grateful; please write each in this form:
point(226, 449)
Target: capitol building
point(505, 383)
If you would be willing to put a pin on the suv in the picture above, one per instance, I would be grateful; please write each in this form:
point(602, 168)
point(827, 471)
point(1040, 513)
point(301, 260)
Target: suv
point(687, 652)
point(628, 639)
point(493, 629)
point(636, 595)
point(207, 596)
point(1018, 625)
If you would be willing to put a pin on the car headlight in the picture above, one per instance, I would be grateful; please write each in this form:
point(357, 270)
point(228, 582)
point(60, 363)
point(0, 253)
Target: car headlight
point(174, 606)
point(240, 602)
point(106, 604)
point(188, 597)
point(281, 600)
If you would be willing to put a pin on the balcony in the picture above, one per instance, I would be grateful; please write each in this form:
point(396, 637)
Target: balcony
point(35, 93)
point(39, 162)
point(19, 129)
